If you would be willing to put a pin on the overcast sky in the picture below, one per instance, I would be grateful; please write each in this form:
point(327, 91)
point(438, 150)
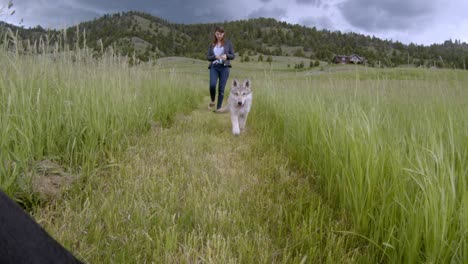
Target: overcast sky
point(417, 21)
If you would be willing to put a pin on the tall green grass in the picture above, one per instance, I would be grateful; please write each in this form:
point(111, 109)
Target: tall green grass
point(387, 150)
point(79, 111)
point(390, 153)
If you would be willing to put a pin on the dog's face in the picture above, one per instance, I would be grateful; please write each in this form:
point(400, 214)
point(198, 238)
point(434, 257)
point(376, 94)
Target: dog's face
point(240, 92)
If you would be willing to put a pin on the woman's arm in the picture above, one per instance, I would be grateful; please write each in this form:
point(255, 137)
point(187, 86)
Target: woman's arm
point(210, 55)
point(230, 51)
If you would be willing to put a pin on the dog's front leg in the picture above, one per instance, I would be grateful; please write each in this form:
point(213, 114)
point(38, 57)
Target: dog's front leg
point(235, 124)
point(242, 121)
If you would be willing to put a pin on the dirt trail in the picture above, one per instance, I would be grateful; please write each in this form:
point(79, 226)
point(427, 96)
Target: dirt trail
point(191, 192)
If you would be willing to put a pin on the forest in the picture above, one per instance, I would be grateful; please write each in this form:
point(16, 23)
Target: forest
point(146, 37)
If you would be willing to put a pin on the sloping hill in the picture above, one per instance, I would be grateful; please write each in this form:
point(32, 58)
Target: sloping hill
point(126, 32)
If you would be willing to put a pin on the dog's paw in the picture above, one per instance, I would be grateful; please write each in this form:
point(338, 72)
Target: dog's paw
point(236, 132)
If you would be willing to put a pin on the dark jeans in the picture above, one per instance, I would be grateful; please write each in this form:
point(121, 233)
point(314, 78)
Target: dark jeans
point(220, 72)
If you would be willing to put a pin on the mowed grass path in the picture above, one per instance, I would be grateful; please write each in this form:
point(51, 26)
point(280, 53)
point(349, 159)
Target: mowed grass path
point(194, 193)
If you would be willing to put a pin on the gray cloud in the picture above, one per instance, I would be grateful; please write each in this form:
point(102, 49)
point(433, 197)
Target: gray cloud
point(60, 14)
point(277, 13)
point(377, 15)
point(178, 11)
point(321, 22)
point(310, 2)
point(407, 20)
point(71, 12)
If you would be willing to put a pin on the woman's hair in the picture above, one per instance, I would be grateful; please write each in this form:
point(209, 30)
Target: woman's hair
point(221, 30)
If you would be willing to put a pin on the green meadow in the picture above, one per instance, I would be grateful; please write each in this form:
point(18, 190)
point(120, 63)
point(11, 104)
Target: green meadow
point(339, 164)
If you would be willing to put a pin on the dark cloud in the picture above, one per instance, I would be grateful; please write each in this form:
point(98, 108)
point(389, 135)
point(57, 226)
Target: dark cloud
point(73, 11)
point(310, 2)
point(322, 22)
point(178, 11)
point(408, 19)
point(276, 13)
point(377, 15)
point(58, 15)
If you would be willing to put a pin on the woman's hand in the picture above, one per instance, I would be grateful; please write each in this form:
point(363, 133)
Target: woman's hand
point(224, 57)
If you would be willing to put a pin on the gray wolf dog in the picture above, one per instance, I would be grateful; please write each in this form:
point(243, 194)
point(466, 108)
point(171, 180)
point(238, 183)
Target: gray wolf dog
point(239, 104)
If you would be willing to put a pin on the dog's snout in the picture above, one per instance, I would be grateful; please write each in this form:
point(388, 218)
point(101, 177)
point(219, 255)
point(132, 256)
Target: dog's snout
point(239, 103)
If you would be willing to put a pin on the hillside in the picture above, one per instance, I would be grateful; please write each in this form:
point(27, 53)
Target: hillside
point(149, 37)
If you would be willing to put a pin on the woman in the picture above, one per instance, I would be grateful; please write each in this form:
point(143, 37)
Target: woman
point(220, 54)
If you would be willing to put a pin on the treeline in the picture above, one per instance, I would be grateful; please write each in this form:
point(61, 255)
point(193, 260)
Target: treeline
point(149, 37)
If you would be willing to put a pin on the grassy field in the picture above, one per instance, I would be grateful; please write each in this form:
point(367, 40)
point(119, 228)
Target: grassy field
point(388, 149)
point(79, 113)
point(340, 164)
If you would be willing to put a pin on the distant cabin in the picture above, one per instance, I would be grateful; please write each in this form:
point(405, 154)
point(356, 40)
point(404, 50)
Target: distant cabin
point(344, 59)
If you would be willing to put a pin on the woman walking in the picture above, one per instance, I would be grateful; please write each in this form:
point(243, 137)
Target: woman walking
point(220, 54)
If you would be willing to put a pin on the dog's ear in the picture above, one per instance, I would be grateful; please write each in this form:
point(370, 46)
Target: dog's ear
point(247, 83)
point(235, 83)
